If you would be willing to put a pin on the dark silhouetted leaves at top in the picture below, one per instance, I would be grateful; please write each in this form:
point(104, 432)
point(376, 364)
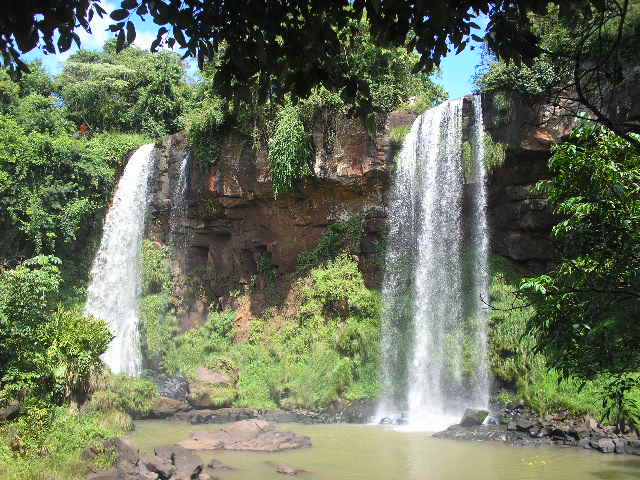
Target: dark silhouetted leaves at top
point(254, 32)
point(118, 15)
point(131, 32)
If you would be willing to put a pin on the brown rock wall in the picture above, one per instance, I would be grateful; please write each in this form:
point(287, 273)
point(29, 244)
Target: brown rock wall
point(235, 226)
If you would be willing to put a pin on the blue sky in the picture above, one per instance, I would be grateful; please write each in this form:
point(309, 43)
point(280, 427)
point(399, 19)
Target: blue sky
point(456, 70)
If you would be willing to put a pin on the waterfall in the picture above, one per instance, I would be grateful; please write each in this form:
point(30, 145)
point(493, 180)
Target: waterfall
point(436, 275)
point(178, 231)
point(114, 288)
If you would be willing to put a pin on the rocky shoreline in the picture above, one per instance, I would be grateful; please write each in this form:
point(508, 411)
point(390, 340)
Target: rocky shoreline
point(179, 462)
point(519, 426)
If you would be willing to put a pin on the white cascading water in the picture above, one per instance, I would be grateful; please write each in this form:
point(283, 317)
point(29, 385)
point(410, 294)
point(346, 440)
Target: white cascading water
point(178, 231)
point(114, 289)
point(435, 284)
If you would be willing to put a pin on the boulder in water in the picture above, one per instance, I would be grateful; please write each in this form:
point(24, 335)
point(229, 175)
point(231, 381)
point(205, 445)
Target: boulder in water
point(288, 470)
point(473, 417)
point(252, 435)
point(218, 465)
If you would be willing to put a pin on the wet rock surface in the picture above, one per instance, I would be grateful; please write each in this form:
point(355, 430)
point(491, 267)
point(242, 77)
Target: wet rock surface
point(251, 435)
point(172, 462)
point(175, 387)
point(288, 470)
point(354, 412)
point(519, 426)
point(473, 417)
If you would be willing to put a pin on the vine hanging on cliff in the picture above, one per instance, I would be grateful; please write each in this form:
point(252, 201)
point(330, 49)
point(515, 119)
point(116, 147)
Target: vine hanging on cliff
point(289, 151)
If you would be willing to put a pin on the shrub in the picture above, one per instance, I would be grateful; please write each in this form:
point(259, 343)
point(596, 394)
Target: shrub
point(205, 129)
point(45, 443)
point(340, 237)
point(131, 395)
point(517, 362)
point(290, 152)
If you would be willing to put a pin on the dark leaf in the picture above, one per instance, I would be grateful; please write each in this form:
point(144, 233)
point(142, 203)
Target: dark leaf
point(129, 4)
point(120, 41)
point(119, 14)
point(177, 34)
point(131, 32)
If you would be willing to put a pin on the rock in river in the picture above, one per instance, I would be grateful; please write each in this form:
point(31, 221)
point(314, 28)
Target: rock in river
point(472, 417)
point(256, 435)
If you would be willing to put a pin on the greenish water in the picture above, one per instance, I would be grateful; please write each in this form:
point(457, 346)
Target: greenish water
point(349, 452)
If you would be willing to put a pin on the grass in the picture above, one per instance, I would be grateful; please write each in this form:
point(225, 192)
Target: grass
point(516, 362)
point(45, 444)
point(328, 351)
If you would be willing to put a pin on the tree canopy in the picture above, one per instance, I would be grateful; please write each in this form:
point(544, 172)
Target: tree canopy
point(296, 42)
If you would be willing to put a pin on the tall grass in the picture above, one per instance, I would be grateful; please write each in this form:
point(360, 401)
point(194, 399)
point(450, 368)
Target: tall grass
point(517, 363)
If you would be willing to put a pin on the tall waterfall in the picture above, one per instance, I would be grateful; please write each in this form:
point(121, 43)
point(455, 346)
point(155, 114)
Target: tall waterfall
point(436, 275)
point(114, 289)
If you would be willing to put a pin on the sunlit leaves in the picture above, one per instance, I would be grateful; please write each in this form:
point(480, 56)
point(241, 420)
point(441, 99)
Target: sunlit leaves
point(588, 305)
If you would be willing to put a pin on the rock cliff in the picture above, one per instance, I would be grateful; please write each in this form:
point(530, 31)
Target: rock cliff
point(234, 225)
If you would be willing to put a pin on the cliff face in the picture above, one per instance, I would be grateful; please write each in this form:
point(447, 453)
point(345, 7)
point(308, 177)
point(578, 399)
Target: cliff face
point(520, 218)
point(234, 225)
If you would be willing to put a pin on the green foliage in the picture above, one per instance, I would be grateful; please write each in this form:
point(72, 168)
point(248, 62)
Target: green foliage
point(290, 153)
point(129, 91)
point(26, 297)
point(158, 324)
point(46, 443)
point(205, 128)
point(339, 237)
point(74, 355)
point(398, 134)
point(519, 364)
point(131, 395)
point(156, 267)
point(494, 155)
point(48, 354)
point(52, 185)
point(200, 346)
point(587, 305)
point(619, 405)
point(39, 113)
point(328, 352)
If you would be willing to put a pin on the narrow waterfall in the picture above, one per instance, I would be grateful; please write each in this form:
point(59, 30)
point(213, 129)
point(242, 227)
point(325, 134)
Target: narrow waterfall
point(436, 276)
point(178, 231)
point(114, 289)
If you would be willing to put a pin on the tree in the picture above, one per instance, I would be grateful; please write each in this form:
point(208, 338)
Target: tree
point(586, 68)
point(130, 90)
point(44, 352)
point(587, 307)
point(295, 42)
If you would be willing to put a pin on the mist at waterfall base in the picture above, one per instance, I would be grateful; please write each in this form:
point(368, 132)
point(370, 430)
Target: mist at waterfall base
point(434, 354)
point(115, 285)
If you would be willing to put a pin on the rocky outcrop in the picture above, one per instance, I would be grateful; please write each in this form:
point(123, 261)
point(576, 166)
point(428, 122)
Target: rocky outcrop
point(169, 463)
point(251, 435)
point(519, 426)
point(235, 228)
point(473, 417)
point(521, 218)
point(341, 412)
point(234, 224)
